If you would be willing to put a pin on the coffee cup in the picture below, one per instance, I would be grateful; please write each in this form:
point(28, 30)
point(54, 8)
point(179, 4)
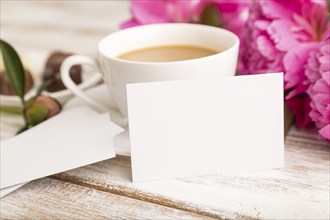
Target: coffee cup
point(113, 66)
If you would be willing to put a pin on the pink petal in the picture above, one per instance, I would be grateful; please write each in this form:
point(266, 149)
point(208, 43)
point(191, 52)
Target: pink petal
point(313, 62)
point(230, 5)
point(181, 11)
point(325, 132)
point(266, 47)
point(325, 49)
point(294, 62)
point(130, 23)
point(326, 76)
point(280, 9)
point(314, 114)
point(281, 34)
point(325, 66)
point(320, 101)
point(262, 24)
point(148, 12)
point(322, 87)
point(325, 63)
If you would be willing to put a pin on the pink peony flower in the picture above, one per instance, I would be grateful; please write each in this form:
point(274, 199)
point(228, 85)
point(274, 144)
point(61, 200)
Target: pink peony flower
point(279, 37)
point(159, 11)
point(232, 13)
point(318, 82)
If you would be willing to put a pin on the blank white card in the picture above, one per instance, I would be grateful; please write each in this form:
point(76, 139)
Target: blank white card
point(71, 139)
point(206, 126)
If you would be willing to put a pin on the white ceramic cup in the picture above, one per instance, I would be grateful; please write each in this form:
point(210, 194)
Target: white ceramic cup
point(116, 72)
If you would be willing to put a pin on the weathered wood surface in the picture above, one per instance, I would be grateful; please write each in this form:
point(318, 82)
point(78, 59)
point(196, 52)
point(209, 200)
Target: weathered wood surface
point(52, 199)
point(105, 190)
point(299, 191)
point(74, 26)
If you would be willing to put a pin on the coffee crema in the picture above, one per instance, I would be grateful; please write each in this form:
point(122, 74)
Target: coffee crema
point(167, 53)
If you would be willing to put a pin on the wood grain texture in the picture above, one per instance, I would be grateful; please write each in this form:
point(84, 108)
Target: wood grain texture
point(52, 199)
point(299, 191)
point(74, 26)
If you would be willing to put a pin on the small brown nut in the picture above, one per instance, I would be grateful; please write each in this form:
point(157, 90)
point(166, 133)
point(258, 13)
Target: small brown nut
point(5, 87)
point(52, 71)
point(53, 106)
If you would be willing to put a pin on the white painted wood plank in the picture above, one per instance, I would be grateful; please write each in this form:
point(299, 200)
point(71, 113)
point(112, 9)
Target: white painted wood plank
point(299, 191)
point(74, 26)
point(52, 199)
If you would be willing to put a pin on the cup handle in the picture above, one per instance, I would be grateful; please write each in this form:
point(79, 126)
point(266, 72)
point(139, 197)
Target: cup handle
point(73, 60)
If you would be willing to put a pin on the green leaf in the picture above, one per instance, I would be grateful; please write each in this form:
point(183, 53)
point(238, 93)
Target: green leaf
point(210, 16)
point(44, 86)
point(36, 114)
point(14, 68)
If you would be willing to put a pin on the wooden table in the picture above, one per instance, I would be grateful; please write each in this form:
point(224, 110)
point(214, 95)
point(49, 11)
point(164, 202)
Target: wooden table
point(104, 190)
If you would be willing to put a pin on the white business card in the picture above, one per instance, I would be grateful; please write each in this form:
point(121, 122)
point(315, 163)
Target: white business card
point(74, 138)
point(206, 126)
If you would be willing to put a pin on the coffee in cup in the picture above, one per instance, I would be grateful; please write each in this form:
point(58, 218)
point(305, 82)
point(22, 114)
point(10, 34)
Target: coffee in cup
point(168, 53)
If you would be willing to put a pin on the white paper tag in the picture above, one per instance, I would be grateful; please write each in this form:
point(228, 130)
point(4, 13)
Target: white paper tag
point(206, 126)
point(74, 138)
point(7, 190)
